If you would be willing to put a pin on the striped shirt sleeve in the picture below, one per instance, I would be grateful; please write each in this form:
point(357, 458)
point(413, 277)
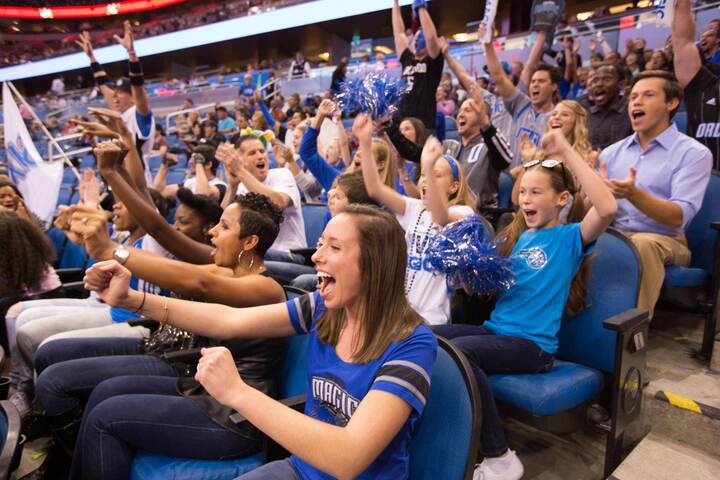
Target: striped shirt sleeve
point(407, 371)
point(303, 311)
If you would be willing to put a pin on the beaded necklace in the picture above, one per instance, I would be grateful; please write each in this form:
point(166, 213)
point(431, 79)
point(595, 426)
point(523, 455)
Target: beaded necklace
point(417, 247)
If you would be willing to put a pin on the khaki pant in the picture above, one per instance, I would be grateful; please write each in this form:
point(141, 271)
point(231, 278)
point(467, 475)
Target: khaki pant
point(656, 251)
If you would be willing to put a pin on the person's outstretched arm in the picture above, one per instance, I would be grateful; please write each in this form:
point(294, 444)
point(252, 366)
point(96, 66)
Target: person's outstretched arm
point(686, 55)
point(136, 74)
point(534, 58)
point(503, 85)
point(401, 41)
point(99, 73)
point(428, 29)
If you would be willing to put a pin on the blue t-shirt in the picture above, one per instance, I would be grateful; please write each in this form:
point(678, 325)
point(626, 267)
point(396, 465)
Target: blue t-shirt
point(335, 388)
point(247, 91)
point(544, 265)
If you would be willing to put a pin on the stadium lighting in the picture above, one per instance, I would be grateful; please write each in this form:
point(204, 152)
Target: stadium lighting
point(294, 16)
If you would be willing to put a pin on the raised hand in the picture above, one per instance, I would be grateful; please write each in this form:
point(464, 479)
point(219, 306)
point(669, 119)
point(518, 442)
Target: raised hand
point(431, 152)
point(217, 373)
point(90, 188)
point(444, 45)
point(230, 158)
point(92, 225)
point(554, 144)
point(111, 119)
point(528, 149)
point(127, 38)
point(97, 129)
point(363, 127)
point(111, 281)
point(108, 155)
point(283, 154)
point(326, 108)
point(85, 43)
point(62, 221)
point(624, 188)
point(478, 104)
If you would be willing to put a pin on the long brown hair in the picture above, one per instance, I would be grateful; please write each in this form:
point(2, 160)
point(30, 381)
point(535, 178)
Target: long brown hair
point(385, 316)
point(559, 177)
point(26, 253)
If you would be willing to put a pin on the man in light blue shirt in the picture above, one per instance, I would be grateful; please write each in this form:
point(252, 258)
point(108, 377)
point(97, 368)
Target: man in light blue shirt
point(226, 124)
point(659, 177)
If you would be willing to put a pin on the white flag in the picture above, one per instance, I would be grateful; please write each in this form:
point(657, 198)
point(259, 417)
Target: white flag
point(665, 10)
point(37, 180)
point(488, 20)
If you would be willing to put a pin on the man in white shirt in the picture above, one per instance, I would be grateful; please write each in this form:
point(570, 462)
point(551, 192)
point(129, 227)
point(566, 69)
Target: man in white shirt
point(248, 170)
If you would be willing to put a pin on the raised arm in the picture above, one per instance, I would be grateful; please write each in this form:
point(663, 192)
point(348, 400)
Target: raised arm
point(437, 203)
point(362, 128)
point(534, 58)
point(686, 55)
point(202, 185)
point(99, 73)
point(604, 208)
point(343, 138)
point(112, 283)
point(463, 76)
point(401, 41)
point(503, 85)
point(154, 224)
point(428, 28)
point(136, 74)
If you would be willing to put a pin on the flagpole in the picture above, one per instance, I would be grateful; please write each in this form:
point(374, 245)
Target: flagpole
point(45, 130)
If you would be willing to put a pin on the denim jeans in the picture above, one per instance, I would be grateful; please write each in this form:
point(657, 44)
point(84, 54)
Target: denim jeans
point(286, 272)
point(132, 412)
point(277, 470)
point(490, 353)
point(69, 369)
point(306, 281)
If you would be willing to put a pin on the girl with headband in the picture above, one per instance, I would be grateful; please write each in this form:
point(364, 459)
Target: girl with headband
point(444, 198)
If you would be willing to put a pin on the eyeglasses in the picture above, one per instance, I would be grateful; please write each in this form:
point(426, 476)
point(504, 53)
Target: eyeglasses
point(549, 164)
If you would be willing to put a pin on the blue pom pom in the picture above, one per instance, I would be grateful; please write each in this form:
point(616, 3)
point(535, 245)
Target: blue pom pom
point(464, 251)
point(375, 94)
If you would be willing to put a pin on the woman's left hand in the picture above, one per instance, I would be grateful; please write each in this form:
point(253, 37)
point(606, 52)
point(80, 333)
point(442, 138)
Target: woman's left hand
point(218, 374)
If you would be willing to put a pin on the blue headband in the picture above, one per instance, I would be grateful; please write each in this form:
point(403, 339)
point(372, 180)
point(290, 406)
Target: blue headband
point(453, 167)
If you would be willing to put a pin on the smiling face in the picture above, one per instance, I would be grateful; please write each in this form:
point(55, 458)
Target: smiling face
point(255, 159)
point(709, 40)
point(445, 180)
point(337, 261)
point(605, 86)
point(468, 121)
point(8, 198)
point(226, 238)
point(337, 198)
point(190, 223)
point(539, 202)
point(648, 107)
point(122, 218)
point(562, 118)
point(408, 130)
point(541, 88)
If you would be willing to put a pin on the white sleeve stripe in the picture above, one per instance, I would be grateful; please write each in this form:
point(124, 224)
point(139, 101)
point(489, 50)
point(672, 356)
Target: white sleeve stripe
point(404, 384)
point(298, 313)
point(411, 365)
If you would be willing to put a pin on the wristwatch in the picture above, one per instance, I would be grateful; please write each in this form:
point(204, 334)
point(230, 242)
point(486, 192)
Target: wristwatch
point(121, 254)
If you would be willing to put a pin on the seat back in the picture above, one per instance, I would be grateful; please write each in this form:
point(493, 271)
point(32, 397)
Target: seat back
point(701, 238)
point(444, 444)
point(450, 124)
point(505, 186)
point(293, 376)
point(613, 286)
point(681, 121)
point(9, 438)
point(314, 218)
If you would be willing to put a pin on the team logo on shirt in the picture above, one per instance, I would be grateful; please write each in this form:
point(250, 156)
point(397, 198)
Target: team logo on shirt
point(535, 257)
point(532, 134)
point(708, 130)
point(335, 399)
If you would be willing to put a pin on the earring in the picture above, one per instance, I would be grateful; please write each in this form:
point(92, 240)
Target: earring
point(252, 262)
point(240, 257)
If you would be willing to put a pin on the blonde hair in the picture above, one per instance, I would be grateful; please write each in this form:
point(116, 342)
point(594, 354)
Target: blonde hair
point(384, 160)
point(384, 316)
point(579, 135)
point(463, 196)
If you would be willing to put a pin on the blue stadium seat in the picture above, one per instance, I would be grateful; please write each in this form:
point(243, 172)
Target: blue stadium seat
point(64, 194)
point(681, 120)
point(444, 443)
point(314, 216)
point(691, 286)
point(505, 186)
point(175, 176)
point(606, 340)
point(292, 383)
point(452, 135)
point(450, 125)
point(10, 444)
point(69, 177)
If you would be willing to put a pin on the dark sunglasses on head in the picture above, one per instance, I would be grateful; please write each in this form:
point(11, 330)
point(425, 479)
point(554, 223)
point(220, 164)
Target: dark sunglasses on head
point(549, 164)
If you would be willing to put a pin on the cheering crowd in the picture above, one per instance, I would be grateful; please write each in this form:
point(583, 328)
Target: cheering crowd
point(587, 146)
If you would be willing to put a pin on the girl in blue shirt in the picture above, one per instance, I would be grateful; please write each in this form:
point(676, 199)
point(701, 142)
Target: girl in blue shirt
point(369, 354)
point(521, 334)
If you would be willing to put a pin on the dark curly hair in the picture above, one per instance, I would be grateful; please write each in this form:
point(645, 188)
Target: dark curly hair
point(208, 208)
point(261, 217)
point(26, 253)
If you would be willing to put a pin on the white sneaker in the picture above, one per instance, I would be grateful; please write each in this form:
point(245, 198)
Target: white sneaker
point(21, 402)
point(508, 467)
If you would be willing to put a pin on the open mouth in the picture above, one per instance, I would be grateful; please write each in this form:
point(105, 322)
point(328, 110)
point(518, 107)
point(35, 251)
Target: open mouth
point(530, 215)
point(461, 122)
point(637, 114)
point(534, 94)
point(555, 125)
point(326, 283)
point(260, 165)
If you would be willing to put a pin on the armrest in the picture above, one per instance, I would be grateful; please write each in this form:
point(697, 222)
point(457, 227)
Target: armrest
point(307, 253)
point(182, 356)
point(148, 323)
point(715, 225)
point(297, 403)
point(70, 274)
point(627, 320)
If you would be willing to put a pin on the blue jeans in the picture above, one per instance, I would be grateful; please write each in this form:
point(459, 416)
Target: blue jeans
point(286, 272)
point(69, 369)
point(277, 470)
point(284, 256)
point(490, 353)
point(132, 412)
